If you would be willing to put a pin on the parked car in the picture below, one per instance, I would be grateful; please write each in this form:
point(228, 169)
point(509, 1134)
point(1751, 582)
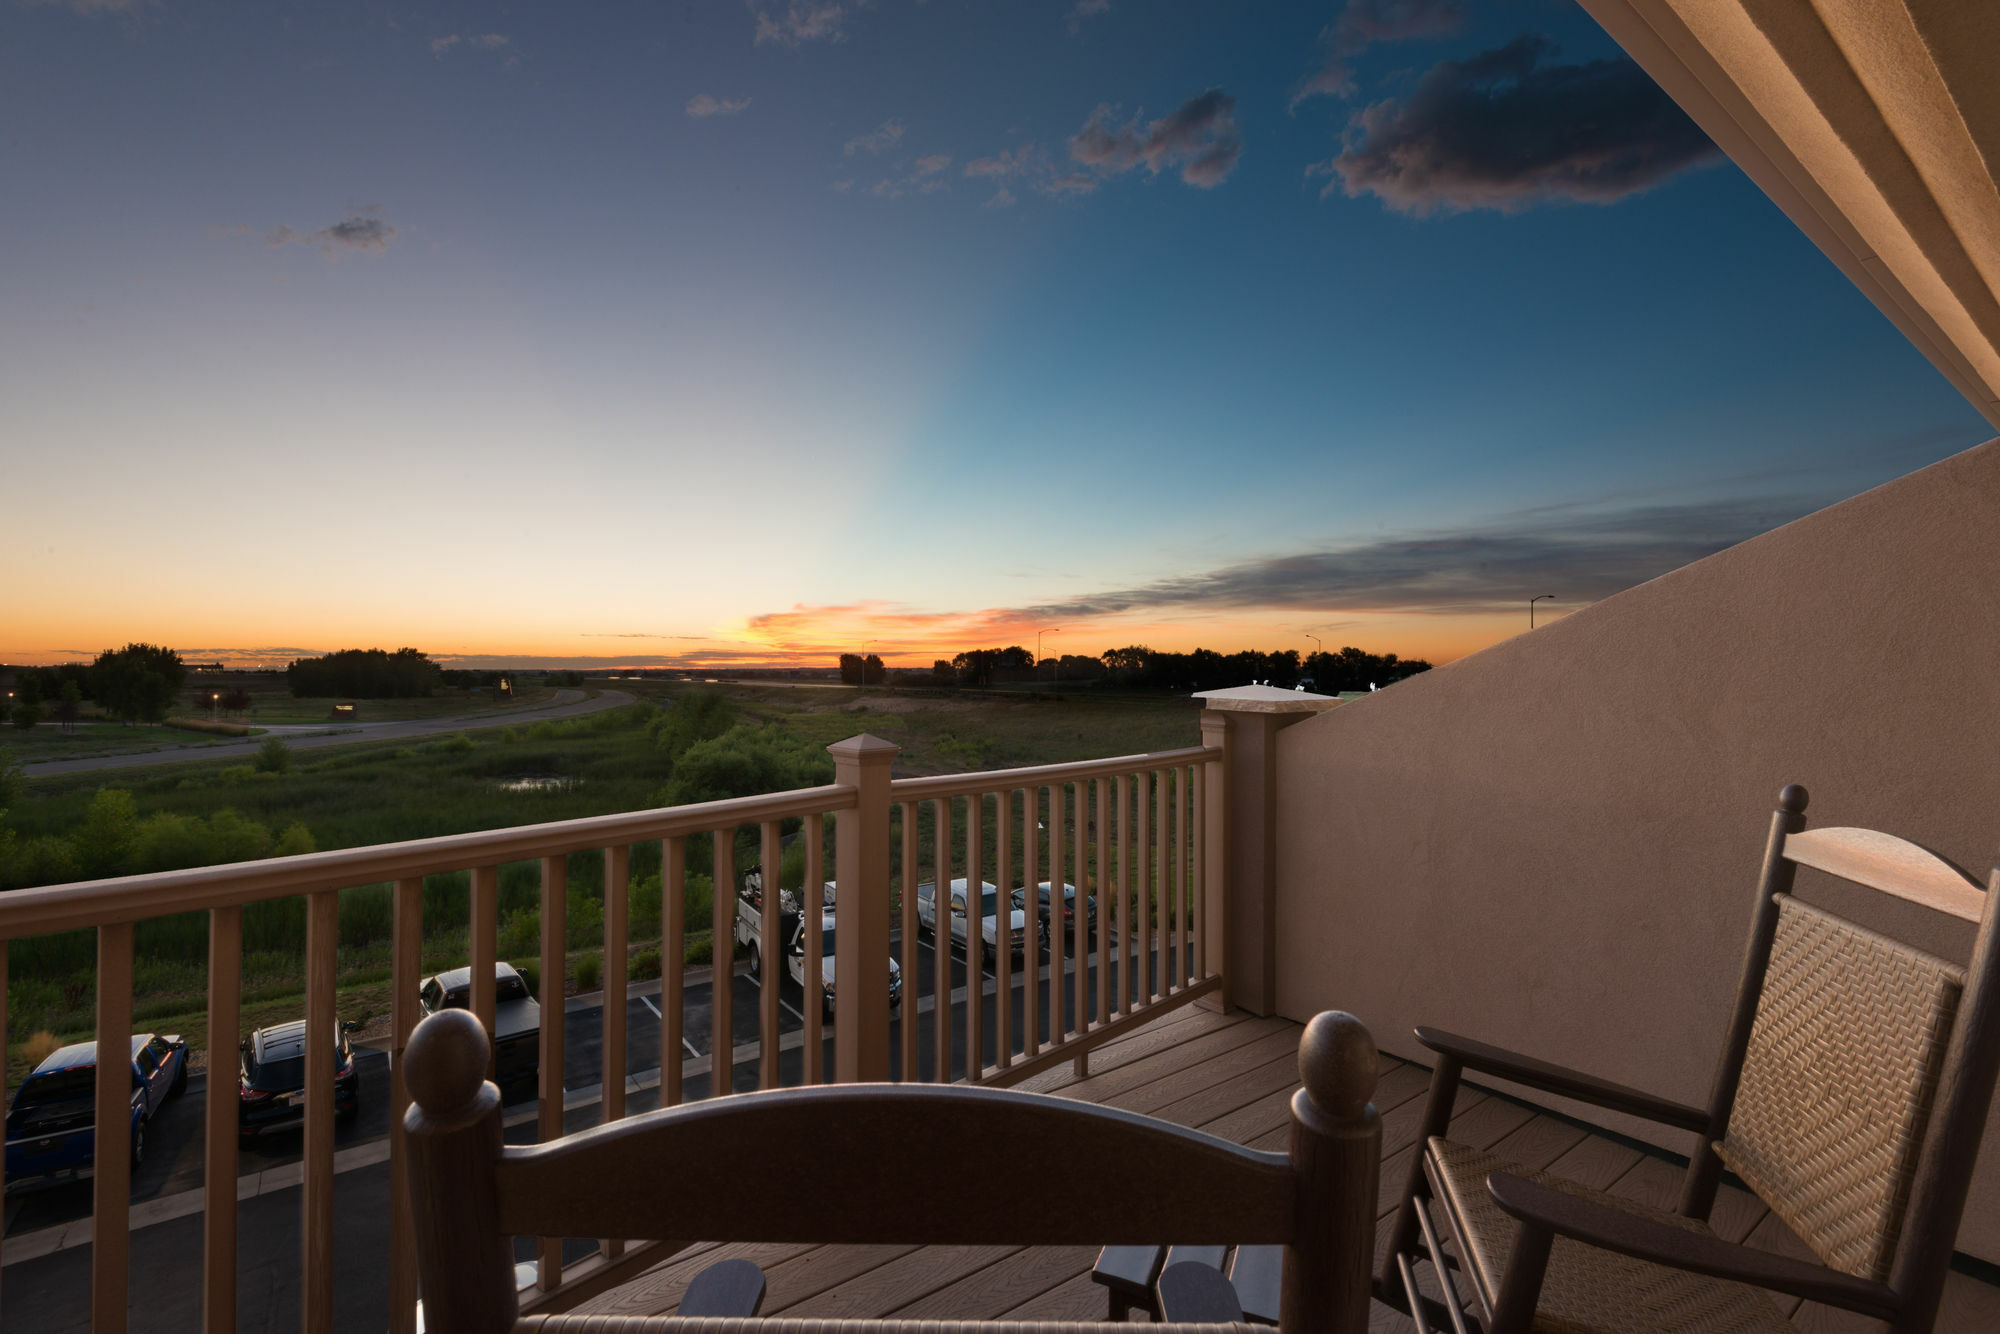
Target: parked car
point(989, 926)
point(271, 1079)
point(51, 1126)
point(795, 960)
point(1043, 895)
point(517, 1020)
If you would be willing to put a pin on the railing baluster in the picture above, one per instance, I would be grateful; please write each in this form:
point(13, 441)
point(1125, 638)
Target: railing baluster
point(1198, 870)
point(406, 963)
point(1105, 907)
point(722, 971)
point(975, 938)
point(908, 921)
point(1121, 852)
point(815, 948)
point(673, 963)
point(1162, 885)
point(218, 1223)
point(940, 942)
point(617, 874)
point(3, 1058)
point(1031, 952)
point(1185, 974)
point(1003, 929)
point(1143, 867)
point(111, 1188)
point(485, 952)
point(322, 1036)
point(771, 954)
point(549, 1127)
point(1058, 938)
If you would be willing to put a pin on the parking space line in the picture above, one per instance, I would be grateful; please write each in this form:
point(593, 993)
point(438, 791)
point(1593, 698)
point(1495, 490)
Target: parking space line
point(783, 1004)
point(647, 1001)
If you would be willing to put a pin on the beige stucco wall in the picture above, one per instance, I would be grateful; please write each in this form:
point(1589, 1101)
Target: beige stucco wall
point(1552, 844)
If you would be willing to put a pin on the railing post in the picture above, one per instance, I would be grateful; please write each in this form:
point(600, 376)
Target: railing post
point(1337, 1151)
point(1248, 888)
point(861, 910)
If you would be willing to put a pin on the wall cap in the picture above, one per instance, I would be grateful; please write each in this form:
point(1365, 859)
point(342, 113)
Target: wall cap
point(1266, 699)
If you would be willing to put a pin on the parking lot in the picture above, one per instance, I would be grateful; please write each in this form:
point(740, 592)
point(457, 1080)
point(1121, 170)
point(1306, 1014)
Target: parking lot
point(174, 1158)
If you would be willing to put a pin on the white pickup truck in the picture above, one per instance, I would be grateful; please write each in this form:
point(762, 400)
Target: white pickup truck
point(1018, 919)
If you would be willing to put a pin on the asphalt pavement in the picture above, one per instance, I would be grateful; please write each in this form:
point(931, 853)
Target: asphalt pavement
point(46, 1252)
point(566, 704)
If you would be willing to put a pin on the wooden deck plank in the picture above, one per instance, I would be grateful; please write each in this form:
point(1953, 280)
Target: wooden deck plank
point(884, 1288)
point(1001, 1287)
point(659, 1289)
point(1271, 1080)
point(1173, 1027)
point(1077, 1299)
point(822, 1267)
point(1217, 1067)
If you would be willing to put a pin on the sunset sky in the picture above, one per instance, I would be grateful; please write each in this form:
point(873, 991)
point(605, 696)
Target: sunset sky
point(755, 332)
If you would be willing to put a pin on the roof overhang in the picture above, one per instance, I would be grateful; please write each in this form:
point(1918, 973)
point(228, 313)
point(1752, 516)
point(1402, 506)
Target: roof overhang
point(1875, 124)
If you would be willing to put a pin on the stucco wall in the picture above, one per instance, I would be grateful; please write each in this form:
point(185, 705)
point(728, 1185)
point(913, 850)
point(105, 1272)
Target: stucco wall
point(1553, 844)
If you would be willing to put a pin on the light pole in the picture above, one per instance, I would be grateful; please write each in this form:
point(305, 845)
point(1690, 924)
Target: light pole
point(214, 704)
point(1055, 630)
point(1531, 607)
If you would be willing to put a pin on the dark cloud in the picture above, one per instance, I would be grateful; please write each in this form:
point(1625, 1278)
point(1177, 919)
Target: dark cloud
point(1366, 22)
point(1503, 131)
point(361, 231)
point(1581, 554)
point(1199, 136)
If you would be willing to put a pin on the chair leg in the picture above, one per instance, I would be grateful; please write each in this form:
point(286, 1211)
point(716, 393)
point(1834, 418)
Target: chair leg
point(1403, 1234)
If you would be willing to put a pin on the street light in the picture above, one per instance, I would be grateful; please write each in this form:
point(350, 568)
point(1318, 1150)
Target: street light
point(1531, 607)
point(214, 704)
point(1054, 630)
point(1317, 645)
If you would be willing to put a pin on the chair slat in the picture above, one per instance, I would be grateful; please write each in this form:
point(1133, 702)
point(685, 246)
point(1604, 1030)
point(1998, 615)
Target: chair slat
point(1892, 865)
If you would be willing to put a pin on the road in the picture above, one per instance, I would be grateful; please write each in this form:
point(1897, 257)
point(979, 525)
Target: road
point(48, 1291)
point(566, 704)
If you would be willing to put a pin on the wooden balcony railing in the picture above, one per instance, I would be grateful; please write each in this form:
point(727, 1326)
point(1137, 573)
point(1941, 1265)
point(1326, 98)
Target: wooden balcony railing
point(1153, 822)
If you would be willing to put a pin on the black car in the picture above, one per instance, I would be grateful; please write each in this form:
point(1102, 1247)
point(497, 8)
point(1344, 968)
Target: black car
point(517, 1021)
point(271, 1079)
point(1043, 894)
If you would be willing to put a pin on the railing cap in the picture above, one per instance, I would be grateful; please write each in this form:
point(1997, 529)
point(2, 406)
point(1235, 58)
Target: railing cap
point(1266, 699)
point(867, 748)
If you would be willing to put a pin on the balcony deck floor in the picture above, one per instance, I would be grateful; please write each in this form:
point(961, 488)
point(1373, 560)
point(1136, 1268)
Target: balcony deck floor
point(1230, 1075)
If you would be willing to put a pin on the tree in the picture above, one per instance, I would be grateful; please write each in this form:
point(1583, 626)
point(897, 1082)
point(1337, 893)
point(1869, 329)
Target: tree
point(236, 701)
point(26, 715)
point(851, 669)
point(12, 781)
point(872, 671)
point(69, 704)
point(137, 683)
point(274, 756)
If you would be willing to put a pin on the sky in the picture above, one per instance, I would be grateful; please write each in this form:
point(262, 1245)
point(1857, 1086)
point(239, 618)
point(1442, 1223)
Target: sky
point(733, 333)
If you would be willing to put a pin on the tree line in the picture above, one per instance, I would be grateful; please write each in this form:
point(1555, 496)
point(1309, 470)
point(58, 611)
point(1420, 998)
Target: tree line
point(1141, 668)
point(356, 673)
point(135, 684)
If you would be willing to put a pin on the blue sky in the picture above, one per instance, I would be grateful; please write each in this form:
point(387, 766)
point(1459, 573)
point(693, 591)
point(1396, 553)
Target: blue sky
point(749, 332)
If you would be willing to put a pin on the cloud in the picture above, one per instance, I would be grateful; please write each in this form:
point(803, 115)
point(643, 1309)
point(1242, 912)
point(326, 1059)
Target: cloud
point(440, 45)
point(1009, 163)
point(1580, 552)
point(1075, 183)
point(927, 166)
point(878, 140)
point(702, 106)
point(1002, 198)
point(1366, 22)
point(1086, 9)
point(490, 41)
point(1199, 136)
point(359, 231)
point(798, 22)
point(1504, 131)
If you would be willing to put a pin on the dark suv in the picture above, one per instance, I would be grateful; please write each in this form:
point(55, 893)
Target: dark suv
point(517, 1021)
point(271, 1079)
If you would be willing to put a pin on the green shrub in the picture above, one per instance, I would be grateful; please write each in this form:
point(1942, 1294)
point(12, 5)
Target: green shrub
point(236, 775)
point(456, 744)
point(589, 972)
point(274, 756)
point(642, 965)
point(700, 951)
point(406, 753)
point(531, 973)
point(520, 931)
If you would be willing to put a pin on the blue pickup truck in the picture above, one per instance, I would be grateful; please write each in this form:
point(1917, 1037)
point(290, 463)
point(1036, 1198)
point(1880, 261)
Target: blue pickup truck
point(51, 1128)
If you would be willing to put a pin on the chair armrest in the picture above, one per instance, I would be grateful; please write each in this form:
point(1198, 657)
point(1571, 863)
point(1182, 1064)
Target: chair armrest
point(1697, 1252)
point(1552, 1078)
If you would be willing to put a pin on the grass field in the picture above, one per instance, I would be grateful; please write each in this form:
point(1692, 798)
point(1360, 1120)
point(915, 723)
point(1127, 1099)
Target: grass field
point(90, 739)
point(379, 792)
point(271, 702)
